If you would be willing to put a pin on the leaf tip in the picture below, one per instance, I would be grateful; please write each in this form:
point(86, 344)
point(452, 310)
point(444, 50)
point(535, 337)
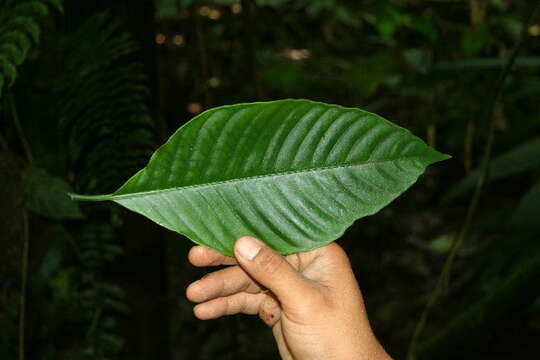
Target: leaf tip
point(445, 157)
point(439, 156)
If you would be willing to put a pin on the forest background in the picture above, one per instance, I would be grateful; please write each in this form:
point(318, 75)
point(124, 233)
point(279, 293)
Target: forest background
point(89, 89)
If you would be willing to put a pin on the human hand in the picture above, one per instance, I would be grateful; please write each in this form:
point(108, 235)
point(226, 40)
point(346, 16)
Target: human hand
point(311, 300)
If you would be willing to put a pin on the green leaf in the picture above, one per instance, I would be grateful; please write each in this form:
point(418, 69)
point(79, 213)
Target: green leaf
point(522, 158)
point(19, 38)
point(8, 69)
point(525, 216)
point(443, 243)
point(294, 173)
point(475, 39)
point(28, 25)
point(11, 52)
point(46, 195)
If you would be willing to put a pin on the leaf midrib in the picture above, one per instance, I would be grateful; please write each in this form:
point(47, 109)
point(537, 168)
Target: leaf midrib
point(255, 177)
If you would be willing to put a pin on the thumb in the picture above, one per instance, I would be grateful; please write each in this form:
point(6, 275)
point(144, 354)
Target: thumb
point(271, 270)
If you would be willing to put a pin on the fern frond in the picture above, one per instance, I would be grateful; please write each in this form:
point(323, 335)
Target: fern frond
point(101, 99)
point(101, 86)
point(19, 39)
point(20, 30)
point(12, 52)
point(98, 248)
point(8, 70)
point(29, 26)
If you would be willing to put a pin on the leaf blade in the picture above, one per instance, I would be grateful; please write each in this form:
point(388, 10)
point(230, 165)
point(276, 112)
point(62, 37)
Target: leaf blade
point(282, 155)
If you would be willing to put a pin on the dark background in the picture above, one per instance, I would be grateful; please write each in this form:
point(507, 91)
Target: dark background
point(89, 89)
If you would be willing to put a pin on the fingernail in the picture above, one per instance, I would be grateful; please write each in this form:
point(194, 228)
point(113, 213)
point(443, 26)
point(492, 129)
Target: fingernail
point(248, 247)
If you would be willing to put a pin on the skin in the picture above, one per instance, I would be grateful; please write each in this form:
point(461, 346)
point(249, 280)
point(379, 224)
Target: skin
point(310, 300)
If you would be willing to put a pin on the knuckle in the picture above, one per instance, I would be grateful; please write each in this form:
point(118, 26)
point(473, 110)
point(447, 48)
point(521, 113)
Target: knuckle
point(270, 263)
point(270, 312)
point(235, 305)
point(217, 259)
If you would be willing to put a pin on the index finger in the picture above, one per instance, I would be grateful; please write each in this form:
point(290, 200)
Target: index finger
point(202, 256)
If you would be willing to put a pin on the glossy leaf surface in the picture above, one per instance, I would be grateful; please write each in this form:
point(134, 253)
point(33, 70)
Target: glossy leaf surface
point(294, 173)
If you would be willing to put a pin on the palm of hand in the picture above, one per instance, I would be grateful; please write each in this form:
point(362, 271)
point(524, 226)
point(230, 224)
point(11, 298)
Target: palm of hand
point(302, 317)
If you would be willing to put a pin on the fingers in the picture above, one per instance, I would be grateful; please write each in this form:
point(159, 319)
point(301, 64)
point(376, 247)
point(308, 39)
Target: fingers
point(221, 283)
point(203, 256)
point(238, 303)
point(271, 270)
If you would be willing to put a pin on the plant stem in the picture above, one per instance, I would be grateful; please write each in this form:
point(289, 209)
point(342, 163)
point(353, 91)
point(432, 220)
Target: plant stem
point(90, 197)
point(20, 131)
point(24, 281)
point(26, 239)
point(473, 205)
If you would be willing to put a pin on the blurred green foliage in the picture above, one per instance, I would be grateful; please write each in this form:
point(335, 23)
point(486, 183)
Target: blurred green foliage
point(431, 66)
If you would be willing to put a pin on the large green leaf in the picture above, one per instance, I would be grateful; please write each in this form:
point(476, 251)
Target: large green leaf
point(294, 173)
